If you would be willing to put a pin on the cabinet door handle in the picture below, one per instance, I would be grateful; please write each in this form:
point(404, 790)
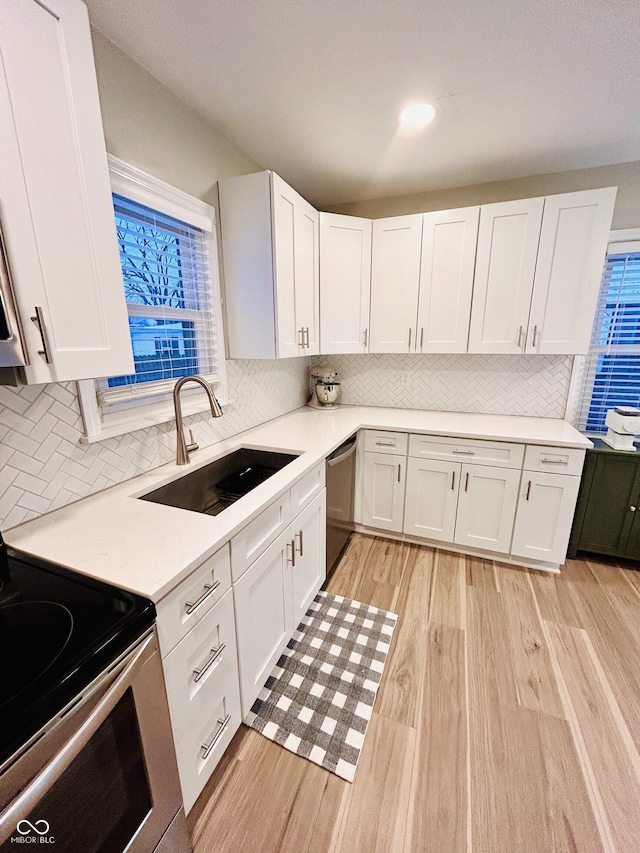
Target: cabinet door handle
point(466, 482)
point(535, 332)
point(409, 344)
point(222, 725)
point(198, 673)
point(366, 336)
point(301, 337)
point(519, 337)
point(45, 352)
point(209, 589)
point(421, 337)
point(292, 558)
point(632, 508)
point(526, 497)
point(300, 549)
point(453, 480)
point(306, 337)
point(399, 467)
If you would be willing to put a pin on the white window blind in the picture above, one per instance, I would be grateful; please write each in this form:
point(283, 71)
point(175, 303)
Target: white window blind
point(611, 371)
point(170, 277)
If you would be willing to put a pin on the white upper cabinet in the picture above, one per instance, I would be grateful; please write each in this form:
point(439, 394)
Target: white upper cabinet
point(395, 280)
point(55, 197)
point(270, 249)
point(505, 267)
point(446, 279)
point(573, 243)
point(345, 283)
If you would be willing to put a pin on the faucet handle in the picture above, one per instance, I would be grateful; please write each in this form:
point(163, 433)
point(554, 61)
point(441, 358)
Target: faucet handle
point(193, 445)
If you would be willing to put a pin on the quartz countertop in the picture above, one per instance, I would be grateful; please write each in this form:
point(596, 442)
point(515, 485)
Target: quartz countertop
point(149, 548)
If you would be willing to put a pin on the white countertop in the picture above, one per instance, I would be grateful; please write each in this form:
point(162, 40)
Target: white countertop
point(149, 548)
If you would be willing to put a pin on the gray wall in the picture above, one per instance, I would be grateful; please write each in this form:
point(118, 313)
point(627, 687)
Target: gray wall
point(626, 176)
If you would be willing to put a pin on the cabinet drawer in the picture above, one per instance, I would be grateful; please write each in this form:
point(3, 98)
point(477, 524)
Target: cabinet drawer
point(184, 606)
point(376, 441)
point(202, 745)
point(500, 454)
point(205, 659)
point(307, 488)
point(247, 545)
point(555, 460)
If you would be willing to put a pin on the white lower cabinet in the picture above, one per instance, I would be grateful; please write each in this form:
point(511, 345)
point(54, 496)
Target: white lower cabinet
point(431, 499)
point(274, 593)
point(545, 513)
point(486, 507)
point(197, 633)
point(486, 503)
point(383, 492)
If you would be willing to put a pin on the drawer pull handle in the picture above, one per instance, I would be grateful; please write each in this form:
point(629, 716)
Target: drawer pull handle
point(465, 452)
point(300, 550)
point(544, 460)
point(198, 673)
point(526, 497)
point(207, 747)
point(385, 444)
point(453, 480)
point(209, 588)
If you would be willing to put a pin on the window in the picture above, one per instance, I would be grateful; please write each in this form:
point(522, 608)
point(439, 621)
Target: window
point(611, 370)
point(170, 275)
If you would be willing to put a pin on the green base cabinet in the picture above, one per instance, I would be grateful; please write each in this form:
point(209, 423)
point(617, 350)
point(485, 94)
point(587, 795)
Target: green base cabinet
point(608, 509)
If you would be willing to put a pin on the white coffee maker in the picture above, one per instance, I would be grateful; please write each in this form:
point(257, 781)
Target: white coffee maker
point(325, 391)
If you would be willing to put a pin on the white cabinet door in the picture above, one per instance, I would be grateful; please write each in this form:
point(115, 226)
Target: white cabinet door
point(57, 214)
point(395, 279)
point(573, 243)
point(505, 266)
point(449, 240)
point(431, 499)
point(486, 507)
point(545, 514)
point(383, 491)
point(271, 258)
point(309, 570)
point(345, 282)
point(264, 622)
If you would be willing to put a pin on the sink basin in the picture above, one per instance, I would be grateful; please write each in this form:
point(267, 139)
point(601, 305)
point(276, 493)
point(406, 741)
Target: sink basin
point(216, 486)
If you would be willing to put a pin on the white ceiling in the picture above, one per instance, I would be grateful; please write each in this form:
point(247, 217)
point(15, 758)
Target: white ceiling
point(313, 88)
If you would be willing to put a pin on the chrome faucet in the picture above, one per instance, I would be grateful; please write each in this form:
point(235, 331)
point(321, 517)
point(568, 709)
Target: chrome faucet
point(182, 448)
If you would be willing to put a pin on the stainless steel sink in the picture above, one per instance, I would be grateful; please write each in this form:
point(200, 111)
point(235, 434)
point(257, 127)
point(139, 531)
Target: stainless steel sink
point(215, 487)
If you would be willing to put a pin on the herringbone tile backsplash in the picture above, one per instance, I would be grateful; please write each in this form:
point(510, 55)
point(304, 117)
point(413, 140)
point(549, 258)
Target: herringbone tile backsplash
point(535, 385)
point(43, 466)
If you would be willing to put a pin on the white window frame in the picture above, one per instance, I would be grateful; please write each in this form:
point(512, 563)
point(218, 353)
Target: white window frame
point(617, 239)
point(149, 404)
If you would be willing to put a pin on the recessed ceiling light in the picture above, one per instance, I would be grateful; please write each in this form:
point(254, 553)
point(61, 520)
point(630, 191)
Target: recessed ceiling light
point(417, 115)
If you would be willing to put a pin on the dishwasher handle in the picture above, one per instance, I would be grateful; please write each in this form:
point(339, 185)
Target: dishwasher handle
point(344, 452)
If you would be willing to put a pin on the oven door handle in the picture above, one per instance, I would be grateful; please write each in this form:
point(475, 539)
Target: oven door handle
point(51, 772)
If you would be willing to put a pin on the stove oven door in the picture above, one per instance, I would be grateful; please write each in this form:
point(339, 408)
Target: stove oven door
point(102, 776)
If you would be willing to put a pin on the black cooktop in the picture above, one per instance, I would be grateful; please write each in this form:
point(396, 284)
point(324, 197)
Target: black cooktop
point(58, 631)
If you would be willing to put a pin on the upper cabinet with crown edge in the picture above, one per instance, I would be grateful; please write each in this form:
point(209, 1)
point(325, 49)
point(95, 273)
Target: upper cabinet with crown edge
point(270, 256)
point(59, 238)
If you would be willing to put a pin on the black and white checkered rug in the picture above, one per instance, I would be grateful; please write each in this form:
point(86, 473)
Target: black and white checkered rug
point(319, 699)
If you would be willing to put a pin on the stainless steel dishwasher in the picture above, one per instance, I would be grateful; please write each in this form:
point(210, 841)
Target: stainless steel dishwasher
point(341, 471)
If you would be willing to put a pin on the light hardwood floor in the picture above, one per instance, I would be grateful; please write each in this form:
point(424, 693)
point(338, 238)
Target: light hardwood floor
point(508, 719)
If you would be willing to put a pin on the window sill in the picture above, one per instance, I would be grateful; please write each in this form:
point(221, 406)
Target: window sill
point(154, 414)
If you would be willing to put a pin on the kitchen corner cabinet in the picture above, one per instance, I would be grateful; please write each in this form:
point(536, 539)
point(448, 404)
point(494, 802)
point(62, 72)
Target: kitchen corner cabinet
point(395, 281)
point(270, 253)
point(57, 214)
point(606, 519)
point(345, 283)
point(538, 271)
